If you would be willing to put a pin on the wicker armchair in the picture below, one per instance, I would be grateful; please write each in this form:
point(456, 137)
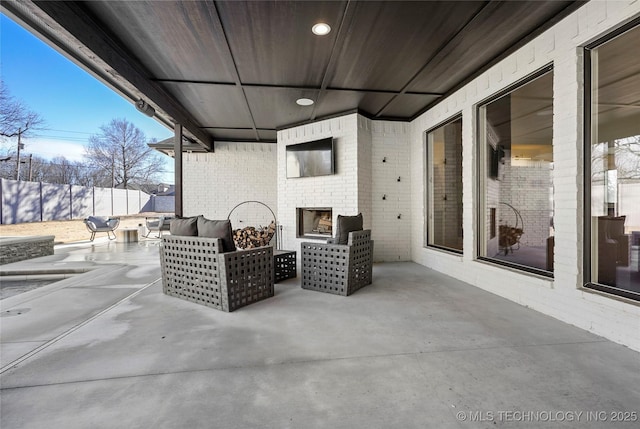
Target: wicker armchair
point(96, 224)
point(340, 269)
point(195, 269)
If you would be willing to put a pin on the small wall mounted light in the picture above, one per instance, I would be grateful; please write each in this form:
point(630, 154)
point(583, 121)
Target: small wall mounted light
point(384, 159)
point(399, 215)
point(384, 197)
point(398, 178)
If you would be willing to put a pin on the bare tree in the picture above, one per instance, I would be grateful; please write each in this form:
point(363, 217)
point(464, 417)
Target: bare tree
point(120, 152)
point(622, 154)
point(61, 171)
point(15, 118)
point(628, 157)
point(84, 175)
point(7, 164)
point(37, 169)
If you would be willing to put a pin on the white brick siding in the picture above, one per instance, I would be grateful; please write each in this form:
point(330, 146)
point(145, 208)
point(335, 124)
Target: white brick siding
point(560, 297)
point(216, 182)
point(338, 191)
point(360, 181)
point(390, 141)
point(527, 187)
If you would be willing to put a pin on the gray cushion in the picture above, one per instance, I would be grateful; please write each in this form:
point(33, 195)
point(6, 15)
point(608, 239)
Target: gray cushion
point(217, 229)
point(345, 225)
point(102, 224)
point(99, 222)
point(184, 226)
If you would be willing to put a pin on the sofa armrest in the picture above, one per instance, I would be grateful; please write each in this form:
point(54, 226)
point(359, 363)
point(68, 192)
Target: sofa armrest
point(91, 225)
point(113, 222)
point(247, 276)
point(359, 237)
point(354, 236)
point(187, 242)
point(251, 255)
point(248, 263)
point(152, 223)
point(165, 223)
point(308, 245)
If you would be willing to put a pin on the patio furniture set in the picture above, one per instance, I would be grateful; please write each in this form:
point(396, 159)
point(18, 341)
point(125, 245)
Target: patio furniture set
point(200, 263)
point(96, 224)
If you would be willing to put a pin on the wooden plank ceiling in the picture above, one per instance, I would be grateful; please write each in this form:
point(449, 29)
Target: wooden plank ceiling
point(233, 70)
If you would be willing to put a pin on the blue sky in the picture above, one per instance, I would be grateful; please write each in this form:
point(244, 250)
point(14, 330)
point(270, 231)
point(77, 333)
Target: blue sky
point(73, 103)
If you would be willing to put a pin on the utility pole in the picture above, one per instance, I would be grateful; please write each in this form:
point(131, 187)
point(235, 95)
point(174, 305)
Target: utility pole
point(124, 168)
point(30, 167)
point(19, 147)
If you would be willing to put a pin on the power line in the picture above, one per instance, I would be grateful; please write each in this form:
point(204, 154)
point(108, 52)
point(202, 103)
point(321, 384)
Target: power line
point(79, 165)
point(67, 131)
point(63, 138)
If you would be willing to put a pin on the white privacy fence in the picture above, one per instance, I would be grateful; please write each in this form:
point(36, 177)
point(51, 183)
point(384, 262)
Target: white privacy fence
point(37, 201)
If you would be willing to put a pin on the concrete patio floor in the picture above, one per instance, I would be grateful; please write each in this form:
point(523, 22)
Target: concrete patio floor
point(416, 349)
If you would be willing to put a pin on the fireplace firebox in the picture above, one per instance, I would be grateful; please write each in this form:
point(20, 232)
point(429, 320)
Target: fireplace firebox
point(314, 222)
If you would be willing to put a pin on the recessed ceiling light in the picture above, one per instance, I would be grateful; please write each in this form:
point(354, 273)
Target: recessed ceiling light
point(304, 101)
point(321, 29)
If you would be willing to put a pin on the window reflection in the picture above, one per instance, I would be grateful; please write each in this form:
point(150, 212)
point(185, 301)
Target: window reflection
point(517, 186)
point(444, 161)
point(615, 164)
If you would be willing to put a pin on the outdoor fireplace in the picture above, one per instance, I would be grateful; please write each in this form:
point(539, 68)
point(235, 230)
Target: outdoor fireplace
point(314, 222)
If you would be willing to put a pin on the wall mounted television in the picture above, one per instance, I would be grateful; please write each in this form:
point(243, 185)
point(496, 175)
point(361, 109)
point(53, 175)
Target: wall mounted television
point(315, 158)
point(496, 159)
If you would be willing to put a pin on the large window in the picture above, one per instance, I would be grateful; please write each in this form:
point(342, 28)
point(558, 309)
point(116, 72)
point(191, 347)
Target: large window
point(516, 186)
point(613, 164)
point(444, 186)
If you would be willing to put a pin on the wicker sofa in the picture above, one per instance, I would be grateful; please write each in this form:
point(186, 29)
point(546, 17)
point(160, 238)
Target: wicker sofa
point(340, 269)
point(195, 269)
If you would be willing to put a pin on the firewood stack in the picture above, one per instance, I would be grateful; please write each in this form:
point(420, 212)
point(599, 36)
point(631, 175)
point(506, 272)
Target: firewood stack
point(252, 237)
point(324, 224)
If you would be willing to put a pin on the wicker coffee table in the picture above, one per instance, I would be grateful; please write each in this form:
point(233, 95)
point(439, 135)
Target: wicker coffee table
point(284, 262)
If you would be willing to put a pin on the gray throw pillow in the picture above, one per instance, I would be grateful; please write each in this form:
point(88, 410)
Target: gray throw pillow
point(345, 225)
point(184, 226)
point(217, 229)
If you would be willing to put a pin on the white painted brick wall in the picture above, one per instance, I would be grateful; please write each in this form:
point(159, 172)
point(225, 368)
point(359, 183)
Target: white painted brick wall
point(357, 187)
point(216, 182)
point(526, 187)
point(365, 172)
point(390, 141)
point(338, 191)
point(560, 297)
